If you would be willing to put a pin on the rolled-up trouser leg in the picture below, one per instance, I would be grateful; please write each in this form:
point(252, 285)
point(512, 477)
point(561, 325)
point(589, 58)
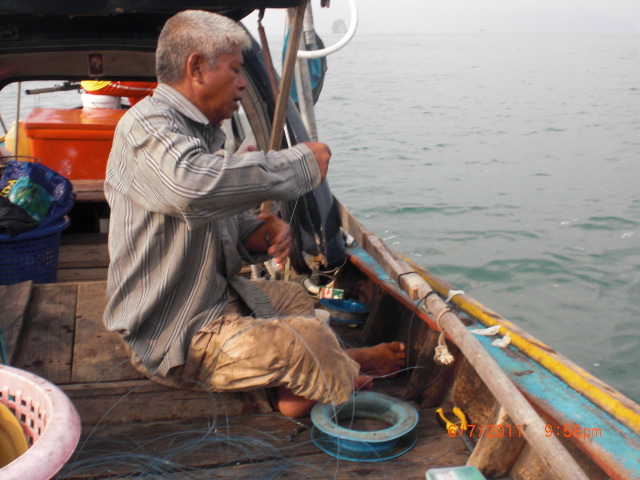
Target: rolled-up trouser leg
point(294, 350)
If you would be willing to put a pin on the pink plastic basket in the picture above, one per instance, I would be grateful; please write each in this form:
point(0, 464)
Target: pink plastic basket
point(49, 420)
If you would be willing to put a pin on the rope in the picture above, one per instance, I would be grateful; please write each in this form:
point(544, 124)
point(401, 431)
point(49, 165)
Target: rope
point(443, 356)
point(424, 299)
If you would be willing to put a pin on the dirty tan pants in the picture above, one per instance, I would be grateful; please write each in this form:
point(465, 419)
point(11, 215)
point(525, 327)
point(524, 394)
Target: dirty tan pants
point(296, 350)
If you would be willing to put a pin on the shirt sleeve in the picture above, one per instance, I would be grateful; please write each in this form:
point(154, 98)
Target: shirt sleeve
point(178, 174)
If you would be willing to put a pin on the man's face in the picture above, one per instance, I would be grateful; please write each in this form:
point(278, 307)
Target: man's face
point(222, 86)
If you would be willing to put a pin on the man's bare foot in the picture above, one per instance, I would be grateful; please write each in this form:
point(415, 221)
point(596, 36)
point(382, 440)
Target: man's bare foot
point(384, 359)
point(363, 382)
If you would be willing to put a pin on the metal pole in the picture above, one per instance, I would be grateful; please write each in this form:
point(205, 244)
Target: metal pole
point(303, 77)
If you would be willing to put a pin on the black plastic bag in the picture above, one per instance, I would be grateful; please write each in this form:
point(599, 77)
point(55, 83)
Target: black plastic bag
point(14, 219)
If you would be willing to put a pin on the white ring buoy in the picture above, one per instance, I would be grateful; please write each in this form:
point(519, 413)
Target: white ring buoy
point(351, 31)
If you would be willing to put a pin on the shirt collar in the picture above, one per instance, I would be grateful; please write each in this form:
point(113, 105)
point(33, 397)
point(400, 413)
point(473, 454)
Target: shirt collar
point(174, 98)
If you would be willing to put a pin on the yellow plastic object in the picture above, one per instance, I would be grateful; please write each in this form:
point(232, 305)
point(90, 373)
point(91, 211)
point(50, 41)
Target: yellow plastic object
point(451, 427)
point(13, 442)
point(93, 85)
point(462, 417)
point(24, 144)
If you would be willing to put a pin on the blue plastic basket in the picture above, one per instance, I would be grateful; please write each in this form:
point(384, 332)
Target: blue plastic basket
point(31, 255)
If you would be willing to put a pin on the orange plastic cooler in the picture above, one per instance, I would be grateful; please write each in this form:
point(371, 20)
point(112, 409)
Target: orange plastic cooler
point(73, 142)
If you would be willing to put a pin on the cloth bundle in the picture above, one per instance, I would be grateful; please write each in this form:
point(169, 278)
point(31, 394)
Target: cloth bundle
point(31, 196)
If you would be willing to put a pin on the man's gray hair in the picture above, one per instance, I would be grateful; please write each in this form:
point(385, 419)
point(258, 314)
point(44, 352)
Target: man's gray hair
point(206, 33)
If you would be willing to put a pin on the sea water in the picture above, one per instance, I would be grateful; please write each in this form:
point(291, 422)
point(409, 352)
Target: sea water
point(510, 166)
point(507, 164)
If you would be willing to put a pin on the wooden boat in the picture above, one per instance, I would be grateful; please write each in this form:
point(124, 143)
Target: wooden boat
point(532, 413)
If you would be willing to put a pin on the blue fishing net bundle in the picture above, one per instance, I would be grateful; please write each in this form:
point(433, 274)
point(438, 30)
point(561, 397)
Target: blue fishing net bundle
point(32, 195)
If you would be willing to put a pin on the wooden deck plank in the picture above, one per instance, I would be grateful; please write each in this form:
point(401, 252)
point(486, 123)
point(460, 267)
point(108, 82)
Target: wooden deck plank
point(141, 401)
point(82, 275)
point(14, 300)
point(99, 355)
point(47, 339)
point(242, 446)
point(89, 190)
point(85, 239)
point(83, 251)
point(83, 256)
point(106, 388)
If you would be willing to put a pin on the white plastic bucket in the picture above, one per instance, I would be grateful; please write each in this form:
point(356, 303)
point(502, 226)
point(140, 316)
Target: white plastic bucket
point(100, 101)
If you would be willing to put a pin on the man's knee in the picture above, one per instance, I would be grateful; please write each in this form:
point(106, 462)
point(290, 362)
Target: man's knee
point(288, 298)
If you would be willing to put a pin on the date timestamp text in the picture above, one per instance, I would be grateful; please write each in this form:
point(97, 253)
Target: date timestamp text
point(489, 430)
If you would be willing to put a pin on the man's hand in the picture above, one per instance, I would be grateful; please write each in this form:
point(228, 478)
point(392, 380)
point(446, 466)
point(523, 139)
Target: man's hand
point(274, 238)
point(322, 153)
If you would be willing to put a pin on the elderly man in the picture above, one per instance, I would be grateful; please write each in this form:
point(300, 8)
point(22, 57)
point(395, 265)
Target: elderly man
point(179, 232)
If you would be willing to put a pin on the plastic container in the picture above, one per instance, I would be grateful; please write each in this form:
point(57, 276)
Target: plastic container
point(454, 473)
point(24, 147)
point(349, 312)
point(31, 255)
point(73, 142)
point(99, 101)
point(396, 437)
point(48, 419)
point(13, 441)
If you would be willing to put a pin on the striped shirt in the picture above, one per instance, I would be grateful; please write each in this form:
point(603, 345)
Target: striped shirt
point(177, 223)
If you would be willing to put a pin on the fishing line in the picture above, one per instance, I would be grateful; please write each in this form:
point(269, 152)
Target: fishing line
point(245, 445)
point(227, 345)
point(288, 229)
point(415, 311)
point(320, 370)
point(166, 461)
point(413, 315)
point(110, 409)
point(250, 449)
point(102, 424)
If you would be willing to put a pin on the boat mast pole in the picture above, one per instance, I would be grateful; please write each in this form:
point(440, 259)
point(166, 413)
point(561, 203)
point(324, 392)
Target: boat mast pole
point(282, 101)
point(287, 77)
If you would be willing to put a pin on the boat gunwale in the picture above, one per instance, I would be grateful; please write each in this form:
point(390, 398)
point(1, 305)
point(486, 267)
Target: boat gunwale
point(625, 416)
point(601, 394)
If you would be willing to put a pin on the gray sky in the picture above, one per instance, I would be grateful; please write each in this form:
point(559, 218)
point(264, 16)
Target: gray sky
point(430, 16)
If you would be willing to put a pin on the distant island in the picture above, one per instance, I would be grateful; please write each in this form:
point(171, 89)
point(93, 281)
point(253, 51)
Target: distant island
point(339, 27)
